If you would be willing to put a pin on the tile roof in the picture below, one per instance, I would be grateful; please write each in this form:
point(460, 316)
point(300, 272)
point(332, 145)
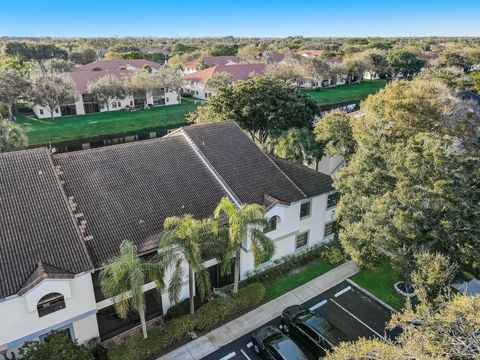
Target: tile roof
point(242, 165)
point(83, 78)
point(212, 61)
point(310, 181)
point(36, 224)
point(238, 72)
point(113, 65)
point(126, 191)
point(50, 230)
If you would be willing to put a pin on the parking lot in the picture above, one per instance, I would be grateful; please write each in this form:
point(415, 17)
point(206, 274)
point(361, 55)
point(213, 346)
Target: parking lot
point(347, 307)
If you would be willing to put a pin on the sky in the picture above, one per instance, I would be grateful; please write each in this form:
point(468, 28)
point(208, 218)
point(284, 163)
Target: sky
point(250, 18)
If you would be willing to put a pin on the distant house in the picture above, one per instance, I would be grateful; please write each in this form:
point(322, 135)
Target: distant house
point(192, 66)
point(196, 83)
point(84, 103)
point(63, 216)
point(310, 53)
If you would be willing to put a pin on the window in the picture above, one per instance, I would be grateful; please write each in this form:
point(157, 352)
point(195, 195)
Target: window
point(41, 111)
point(302, 240)
point(309, 332)
point(167, 99)
point(50, 303)
point(330, 228)
point(114, 105)
point(332, 200)
point(272, 224)
point(119, 104)
point(305, 209)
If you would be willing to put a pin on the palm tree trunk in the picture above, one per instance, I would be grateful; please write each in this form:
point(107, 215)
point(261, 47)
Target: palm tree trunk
point(144, 324)
point(237, 272)
point(190, 289)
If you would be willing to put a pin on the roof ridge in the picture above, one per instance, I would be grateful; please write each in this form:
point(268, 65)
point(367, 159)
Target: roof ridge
point(297, 165)
point(211, 168)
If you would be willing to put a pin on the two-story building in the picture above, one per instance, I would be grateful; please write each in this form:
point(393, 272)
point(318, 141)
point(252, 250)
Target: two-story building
point(63, 217)
point(84, 103)
point(196, 82)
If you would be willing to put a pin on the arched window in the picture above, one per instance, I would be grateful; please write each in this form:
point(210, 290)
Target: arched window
point(272, 224)
point(50, 303)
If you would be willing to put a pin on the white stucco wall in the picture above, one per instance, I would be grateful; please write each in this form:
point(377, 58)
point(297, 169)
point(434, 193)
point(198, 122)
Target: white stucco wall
point(20, 321)
point(290, 225)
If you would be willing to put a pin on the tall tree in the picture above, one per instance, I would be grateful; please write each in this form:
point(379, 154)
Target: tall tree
point(13, 86)
point(404, 63)
point(124, 277)
point(219, 80)
point(173, 80)
point(413, 179)
point(335, 131)
point(260, 105)
point(107, 89)
point(52, 90)
point(245, 223)
point(186, 239)
point(12, 136)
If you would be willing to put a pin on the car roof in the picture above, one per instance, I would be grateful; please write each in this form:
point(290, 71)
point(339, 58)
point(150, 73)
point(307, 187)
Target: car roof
point(326, 329)
point(288, 349)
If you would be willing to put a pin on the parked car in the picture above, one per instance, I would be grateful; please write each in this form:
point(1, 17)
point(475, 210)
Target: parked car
point(272, 344)
point(311, 327)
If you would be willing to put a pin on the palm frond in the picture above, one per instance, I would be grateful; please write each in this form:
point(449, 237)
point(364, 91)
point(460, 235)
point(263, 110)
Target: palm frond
point(202, 279)
point(176, 282)
point(262, 246)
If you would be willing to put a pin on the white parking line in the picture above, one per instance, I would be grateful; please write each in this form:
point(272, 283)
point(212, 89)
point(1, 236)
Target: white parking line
point(229, 356)
point(360, 321)
point(250, 344)
point(316, 306)
point(245, 354)
point(343, 291)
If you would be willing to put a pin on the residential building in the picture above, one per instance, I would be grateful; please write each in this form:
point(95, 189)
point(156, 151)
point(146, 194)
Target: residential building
point(63, 216)
point(84, 103)
point(196, 83)
point(209, 61)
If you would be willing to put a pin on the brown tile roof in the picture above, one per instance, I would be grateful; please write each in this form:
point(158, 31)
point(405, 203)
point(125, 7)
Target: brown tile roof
point(243, 166)
point(113, 65)
point(126, 191)
point(83, 78)
point(310, 181)
point(41, 272)
point(212, 61)
point(36, 224)
point(238, 72)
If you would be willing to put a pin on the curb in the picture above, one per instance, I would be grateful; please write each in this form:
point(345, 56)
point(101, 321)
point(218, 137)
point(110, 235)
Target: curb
point(372, 296)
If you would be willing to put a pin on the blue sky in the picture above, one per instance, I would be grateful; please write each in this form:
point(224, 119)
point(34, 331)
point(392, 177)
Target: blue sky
point(179, 18)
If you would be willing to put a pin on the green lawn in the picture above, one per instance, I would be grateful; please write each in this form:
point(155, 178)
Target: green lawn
point(344, 93)
point(79, 127)
point(301, 276)
point(380, 283)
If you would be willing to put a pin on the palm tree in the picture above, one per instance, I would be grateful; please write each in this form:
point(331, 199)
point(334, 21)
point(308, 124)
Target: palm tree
point(124, 278)
point(247, 220)
point(185, 238)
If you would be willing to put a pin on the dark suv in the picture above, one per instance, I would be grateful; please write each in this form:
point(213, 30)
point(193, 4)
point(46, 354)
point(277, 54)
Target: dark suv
point(311, 327)
point(272, 344)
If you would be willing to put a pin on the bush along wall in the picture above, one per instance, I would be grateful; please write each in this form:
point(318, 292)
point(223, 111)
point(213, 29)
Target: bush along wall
point(207, 317)
point(331, 253)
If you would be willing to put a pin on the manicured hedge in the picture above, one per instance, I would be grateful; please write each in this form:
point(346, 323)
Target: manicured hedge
point(207, 317)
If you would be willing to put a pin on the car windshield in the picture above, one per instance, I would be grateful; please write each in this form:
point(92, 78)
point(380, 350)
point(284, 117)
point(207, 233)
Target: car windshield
point(318, 323)
point(288, 350)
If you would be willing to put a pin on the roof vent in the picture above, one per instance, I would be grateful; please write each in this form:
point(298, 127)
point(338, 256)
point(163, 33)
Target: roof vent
point(40, 172)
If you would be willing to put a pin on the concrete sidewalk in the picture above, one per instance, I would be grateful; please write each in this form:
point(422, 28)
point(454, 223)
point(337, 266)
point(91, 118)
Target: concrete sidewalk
point(248, 322)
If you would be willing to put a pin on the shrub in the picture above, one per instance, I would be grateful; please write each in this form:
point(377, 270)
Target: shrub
point(58, 347)
point(181, 308)
point(208, 316)
point(280, 267)
point(333, 255)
